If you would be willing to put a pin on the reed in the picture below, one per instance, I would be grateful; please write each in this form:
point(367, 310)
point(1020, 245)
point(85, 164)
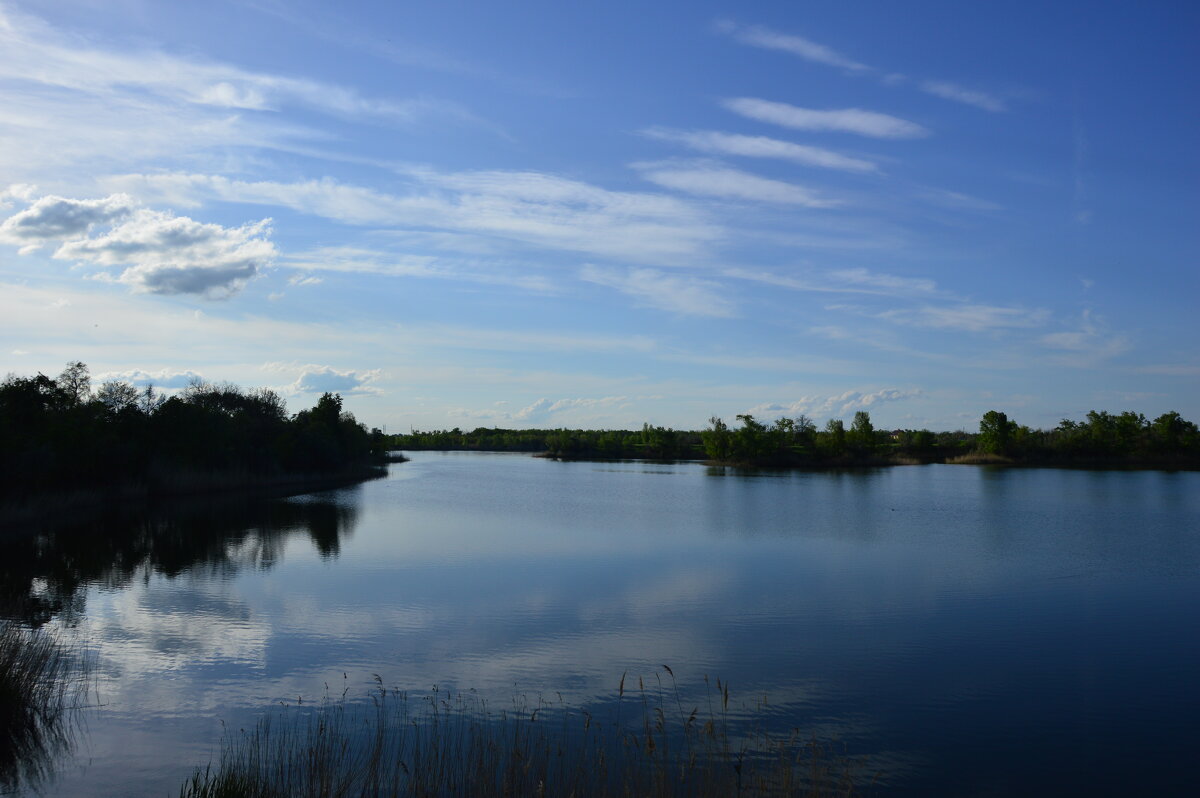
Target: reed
point(41, 683)
point(443, 744)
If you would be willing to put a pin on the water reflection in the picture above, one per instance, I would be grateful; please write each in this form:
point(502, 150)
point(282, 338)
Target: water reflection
point(44, 573)
point(936, 614)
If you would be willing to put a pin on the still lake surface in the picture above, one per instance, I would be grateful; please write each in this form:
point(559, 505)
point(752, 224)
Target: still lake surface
point(972, 631)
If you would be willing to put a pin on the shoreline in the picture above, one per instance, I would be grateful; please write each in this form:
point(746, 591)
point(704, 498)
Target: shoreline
point(1166, 463)
point(56, 506)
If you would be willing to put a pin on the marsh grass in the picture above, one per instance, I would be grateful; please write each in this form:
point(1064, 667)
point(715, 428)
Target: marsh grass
point(980, 458)
point(456, 744)
point(42, 684)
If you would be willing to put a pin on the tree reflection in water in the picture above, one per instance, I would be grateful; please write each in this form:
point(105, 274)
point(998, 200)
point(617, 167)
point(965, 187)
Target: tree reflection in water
point(45, 574)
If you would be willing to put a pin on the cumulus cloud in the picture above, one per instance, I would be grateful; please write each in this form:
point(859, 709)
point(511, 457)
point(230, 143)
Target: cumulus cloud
point(544, 408)
point(713, 180)
point(326, 379)
point(712, 141)
point(846, 120)
point(670, 292)
point(157, 252)
point(52, 218)
point(167, 254)
point(164, 379)
point(838, 405)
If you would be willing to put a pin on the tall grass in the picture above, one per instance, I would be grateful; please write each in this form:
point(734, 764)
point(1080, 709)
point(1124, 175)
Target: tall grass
point(443, 744)
point(41, 682)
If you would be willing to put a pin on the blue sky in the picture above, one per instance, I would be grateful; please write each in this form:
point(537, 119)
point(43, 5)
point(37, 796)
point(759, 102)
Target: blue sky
point(563, 214)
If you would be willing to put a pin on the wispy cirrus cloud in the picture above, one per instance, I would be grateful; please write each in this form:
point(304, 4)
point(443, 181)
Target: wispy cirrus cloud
point(809, 50)
point(718, 143)
point(759, 36)
point(359, 260)
point(1171, 369)
point(952, 91)
point(715, 180)
point(526, 208)
point(75, 64)
point(968, 317)
point(848, 281)
point(672, 292)
point(1086, 344)
point(846, 120)
point(74, 104)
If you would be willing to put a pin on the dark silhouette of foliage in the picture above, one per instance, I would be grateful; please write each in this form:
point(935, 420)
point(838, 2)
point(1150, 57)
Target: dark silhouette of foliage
point(57, 435)
point(1124, 440)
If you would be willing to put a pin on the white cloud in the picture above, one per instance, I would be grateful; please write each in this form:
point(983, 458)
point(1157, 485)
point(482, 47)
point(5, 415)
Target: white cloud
point(369, 261)
point(758, 36)
point(54, 218)
point(17, 191)
point(952, 91)
point(326, 379)
point(761, 147)
point(73, 107)
point(166, 254)
point(1171, 369)
point(712, 180)
point(75, 64)
point(158, 252)
point(670, 292)
point(304, 279)
point(957, 200)
point(848, 120)
point(163, 379)
point(848, 281)
point(838, 405)
point(544, 408)
point(527, 208)
point(971, 318)
point(1088, 344)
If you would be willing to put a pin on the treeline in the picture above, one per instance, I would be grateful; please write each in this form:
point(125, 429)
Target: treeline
point(652, 443)
point(1103, 439)
point(784, 442)
point(58, 434)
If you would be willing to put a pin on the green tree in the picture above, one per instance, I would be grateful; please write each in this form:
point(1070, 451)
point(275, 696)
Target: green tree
point(751, 442)
point(717, 439)
point(118, 396)
point(995, 433)
point(862, 432)
point(76, 382)
point(835, 436)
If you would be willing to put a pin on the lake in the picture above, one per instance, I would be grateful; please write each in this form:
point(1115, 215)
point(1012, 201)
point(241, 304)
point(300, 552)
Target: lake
point(970, 631)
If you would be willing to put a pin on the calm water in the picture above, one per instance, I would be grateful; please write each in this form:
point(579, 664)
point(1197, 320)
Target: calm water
point(974, 631)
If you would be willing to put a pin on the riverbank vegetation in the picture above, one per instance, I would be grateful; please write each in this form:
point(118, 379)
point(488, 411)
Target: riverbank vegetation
point(444, 744)
point(1101, 440)
point(41, 683)
point(60, 438)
